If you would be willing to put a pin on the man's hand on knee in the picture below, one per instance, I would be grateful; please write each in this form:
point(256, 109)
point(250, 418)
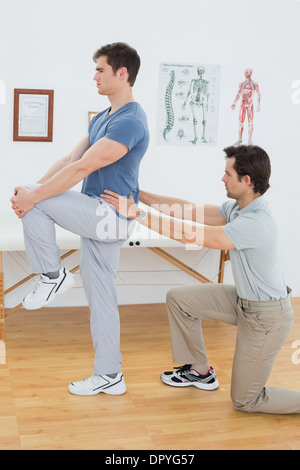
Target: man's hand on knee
point(22, 201)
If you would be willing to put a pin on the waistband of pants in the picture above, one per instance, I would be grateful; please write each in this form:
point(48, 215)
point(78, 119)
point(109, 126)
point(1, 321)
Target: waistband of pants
point(247, 304)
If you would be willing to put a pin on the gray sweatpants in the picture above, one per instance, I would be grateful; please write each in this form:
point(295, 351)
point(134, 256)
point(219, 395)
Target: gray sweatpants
point(102, 234)
point(262, 329)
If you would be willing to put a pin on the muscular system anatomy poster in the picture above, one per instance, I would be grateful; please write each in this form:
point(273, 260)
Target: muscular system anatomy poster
point(188, 104)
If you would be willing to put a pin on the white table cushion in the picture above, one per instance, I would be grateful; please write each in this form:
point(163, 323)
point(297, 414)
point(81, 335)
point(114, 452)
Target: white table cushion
point(11, 237)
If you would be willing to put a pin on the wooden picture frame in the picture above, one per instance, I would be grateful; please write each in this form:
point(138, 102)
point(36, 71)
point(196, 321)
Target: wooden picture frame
point(33, 115)
point(92, 114)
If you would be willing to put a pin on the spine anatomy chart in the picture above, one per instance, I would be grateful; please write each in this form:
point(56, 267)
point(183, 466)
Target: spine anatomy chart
point(169, 105)
point(188, 104)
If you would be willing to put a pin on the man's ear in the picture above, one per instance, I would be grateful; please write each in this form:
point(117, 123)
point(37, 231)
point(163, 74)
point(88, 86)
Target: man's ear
point(123, 73)
point(247, 180)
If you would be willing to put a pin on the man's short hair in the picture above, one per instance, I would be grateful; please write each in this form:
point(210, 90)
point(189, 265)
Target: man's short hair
point(120, 54)
point(253, 161)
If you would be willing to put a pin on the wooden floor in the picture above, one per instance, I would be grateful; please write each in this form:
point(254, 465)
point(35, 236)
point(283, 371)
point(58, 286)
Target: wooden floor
point(47, 349)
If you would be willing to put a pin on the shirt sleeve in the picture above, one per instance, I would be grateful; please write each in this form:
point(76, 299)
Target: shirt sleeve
point(245, 231)
point(226, 208)
point(127, 131)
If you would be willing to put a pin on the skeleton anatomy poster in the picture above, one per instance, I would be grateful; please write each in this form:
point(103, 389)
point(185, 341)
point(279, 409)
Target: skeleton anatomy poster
point(188, 104)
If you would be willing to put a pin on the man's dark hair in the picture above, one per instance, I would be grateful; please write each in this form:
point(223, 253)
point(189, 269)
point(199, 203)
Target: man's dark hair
point(253, 161)
point(119, 54)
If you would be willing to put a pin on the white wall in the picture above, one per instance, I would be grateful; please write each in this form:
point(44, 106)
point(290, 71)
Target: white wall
point(49, 45)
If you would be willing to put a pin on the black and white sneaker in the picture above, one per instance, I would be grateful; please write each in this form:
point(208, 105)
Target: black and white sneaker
point(46, 289)
point(184, 376)
point(99, 383)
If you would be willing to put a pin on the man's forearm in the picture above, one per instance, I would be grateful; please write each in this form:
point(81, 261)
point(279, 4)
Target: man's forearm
point(207, 214)
point(75, 155)
point(58, 165)
point(175, 229)
point(186, 233)
point(61, 181)
point(174, 207)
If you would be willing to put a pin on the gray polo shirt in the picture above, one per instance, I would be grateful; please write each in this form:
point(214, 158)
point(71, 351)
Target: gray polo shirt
point(257, 259)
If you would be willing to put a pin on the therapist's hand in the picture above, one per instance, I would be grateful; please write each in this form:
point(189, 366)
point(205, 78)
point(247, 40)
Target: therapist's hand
point(125, 206)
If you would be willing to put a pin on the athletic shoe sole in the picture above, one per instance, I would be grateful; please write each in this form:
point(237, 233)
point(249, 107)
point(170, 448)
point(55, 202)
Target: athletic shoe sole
point(117, 388)
point(201, 386)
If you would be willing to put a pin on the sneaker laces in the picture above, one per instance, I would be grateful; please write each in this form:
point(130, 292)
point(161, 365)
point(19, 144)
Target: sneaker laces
point(187, 368)
point(37, 284)
point(181, 369)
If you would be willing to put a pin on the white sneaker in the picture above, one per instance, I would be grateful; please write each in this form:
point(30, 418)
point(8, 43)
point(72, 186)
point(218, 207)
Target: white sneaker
point(99, 383)
point(45, 289)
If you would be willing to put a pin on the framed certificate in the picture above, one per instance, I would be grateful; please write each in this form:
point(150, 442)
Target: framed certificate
point(33, 115)
point(92, 114)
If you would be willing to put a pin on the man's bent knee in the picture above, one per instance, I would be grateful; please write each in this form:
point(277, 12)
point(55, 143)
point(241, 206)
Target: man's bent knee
point(173, 296)
point(247, 404)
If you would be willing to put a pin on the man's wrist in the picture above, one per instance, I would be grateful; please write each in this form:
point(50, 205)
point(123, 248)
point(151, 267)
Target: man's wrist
point(36, 194)
point(141, 216)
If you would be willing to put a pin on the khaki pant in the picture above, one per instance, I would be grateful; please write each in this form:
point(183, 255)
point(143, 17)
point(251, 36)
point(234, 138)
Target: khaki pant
point(262, 329)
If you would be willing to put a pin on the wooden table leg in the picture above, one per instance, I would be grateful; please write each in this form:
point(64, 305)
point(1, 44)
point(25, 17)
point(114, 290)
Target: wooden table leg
point(224, 256)
point(2, 309)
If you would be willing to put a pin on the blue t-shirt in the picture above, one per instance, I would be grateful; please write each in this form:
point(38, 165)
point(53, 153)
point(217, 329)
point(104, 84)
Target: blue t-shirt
point(128, 125)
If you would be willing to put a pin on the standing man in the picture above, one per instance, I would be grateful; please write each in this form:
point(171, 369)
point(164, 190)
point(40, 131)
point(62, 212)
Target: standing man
point(259, 303)
point(108, 156)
